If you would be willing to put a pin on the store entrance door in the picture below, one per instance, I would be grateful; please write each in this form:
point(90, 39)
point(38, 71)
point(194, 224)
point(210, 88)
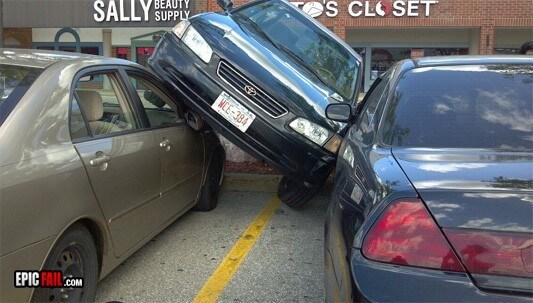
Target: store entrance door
point(143, 53)
point(142, 47)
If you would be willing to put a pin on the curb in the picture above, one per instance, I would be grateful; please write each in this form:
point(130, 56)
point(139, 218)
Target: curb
point(251, 182)
point(262, 183)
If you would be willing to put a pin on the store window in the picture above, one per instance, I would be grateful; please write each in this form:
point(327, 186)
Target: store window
point(143, 53)
point(92, 48)
point(506, 51)
point(377, 60)
point(44, 47)
point(384, 58)
point(142, 47)
point(122, 52)
point(508, 40)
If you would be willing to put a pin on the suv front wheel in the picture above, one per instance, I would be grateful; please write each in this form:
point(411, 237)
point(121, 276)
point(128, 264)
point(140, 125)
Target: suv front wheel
point(296, 195)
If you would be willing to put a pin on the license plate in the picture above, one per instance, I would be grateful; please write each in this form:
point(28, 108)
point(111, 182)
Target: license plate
point(229, 108)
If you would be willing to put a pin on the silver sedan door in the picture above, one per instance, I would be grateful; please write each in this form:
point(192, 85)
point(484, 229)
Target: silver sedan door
point(121, 159)
point(181, 148)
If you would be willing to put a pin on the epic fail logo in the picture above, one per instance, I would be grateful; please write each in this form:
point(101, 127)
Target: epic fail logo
point(45, 279)
point(398, 8)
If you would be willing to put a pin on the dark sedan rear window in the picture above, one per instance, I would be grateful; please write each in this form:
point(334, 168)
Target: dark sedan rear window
point(482, 106)
point(14, 82)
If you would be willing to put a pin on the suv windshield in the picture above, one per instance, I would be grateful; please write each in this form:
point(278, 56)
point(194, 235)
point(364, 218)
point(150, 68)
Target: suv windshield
point(476, 106)
point(14, 82)
point(302, 40)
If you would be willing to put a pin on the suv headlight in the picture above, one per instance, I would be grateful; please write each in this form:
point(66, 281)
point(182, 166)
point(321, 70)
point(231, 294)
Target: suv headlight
point(180, 28)
point(311, 131)
point(196, 43)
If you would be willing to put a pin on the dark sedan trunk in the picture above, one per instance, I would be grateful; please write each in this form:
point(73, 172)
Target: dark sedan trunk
point(484, 196)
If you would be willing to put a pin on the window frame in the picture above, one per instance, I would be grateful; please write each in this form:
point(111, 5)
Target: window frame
point(104, 69)
point(386, 79)
point(128, 71)
point(87, 128)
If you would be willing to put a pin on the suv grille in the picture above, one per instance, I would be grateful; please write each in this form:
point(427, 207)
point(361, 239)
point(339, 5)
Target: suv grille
point(249, 90)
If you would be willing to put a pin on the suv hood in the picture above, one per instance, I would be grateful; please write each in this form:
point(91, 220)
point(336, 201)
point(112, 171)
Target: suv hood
point(273, 71)
point(480, 189)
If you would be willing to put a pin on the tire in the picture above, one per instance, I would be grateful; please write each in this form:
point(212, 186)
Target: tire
point(209, 195)
point(296, 195)
point(75, 255)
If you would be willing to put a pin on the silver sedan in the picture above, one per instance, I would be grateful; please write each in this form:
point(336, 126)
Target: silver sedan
point(96, 158)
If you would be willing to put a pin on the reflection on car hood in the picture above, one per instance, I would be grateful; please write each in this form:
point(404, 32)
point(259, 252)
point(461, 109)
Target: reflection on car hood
point(479, 189)
point(272, 70)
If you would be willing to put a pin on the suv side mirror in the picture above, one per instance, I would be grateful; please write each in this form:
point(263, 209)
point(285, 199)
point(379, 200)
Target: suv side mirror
point(226, 5)
point(341, 112)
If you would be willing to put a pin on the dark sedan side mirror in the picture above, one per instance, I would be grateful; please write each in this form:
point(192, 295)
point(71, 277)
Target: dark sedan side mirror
point(226, 5)
point(341, 112)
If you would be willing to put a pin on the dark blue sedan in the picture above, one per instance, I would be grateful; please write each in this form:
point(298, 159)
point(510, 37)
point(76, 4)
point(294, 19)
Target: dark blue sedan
point(433, 195)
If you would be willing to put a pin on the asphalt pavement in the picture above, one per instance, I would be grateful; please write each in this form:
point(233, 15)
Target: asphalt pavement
point(284, 264)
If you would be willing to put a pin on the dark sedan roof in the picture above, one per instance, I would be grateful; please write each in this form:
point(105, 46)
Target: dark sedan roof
point(470, 60)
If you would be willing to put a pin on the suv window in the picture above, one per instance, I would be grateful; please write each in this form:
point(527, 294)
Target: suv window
point(301, 39)
point(481, 106)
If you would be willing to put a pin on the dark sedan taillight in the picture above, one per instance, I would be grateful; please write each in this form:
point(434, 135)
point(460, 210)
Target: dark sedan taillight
point(406, 234)
point(492, 252)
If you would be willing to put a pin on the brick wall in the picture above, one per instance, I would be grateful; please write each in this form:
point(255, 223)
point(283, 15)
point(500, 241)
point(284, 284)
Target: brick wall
point(22, 35)
point(482, 14)
point(200, 6)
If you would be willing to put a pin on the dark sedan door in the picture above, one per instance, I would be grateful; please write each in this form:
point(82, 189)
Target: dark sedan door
point(354, 192)
point(181, 148)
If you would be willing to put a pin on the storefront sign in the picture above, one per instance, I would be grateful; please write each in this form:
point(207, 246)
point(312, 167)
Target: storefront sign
point(128, 10)
point(97, 13)
point(398, 8)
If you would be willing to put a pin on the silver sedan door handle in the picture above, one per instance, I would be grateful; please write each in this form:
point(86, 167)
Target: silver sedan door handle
point(165, 144)
point(100, 159)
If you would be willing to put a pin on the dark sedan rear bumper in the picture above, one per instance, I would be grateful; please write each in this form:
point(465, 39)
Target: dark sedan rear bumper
point(379, 282)
point(267, 138)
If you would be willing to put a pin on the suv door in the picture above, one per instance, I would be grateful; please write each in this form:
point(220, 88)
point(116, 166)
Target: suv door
point(181, 148)
point(121, 159)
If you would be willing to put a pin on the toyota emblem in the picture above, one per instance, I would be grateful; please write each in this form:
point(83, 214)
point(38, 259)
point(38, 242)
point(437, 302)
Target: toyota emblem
point(250, 90)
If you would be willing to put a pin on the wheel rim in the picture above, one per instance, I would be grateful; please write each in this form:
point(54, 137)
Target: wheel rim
point(70, 262)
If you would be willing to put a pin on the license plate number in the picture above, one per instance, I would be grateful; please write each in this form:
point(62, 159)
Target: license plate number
point(229, 108)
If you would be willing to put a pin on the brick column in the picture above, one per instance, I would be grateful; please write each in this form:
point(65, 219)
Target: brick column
point(107, 42)
point(486, 37)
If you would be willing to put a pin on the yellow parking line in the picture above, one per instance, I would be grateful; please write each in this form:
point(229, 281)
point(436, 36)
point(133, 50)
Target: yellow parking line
point(222, 275)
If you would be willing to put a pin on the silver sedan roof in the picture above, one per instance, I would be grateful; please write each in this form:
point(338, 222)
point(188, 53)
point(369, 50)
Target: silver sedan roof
point(44, 58)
